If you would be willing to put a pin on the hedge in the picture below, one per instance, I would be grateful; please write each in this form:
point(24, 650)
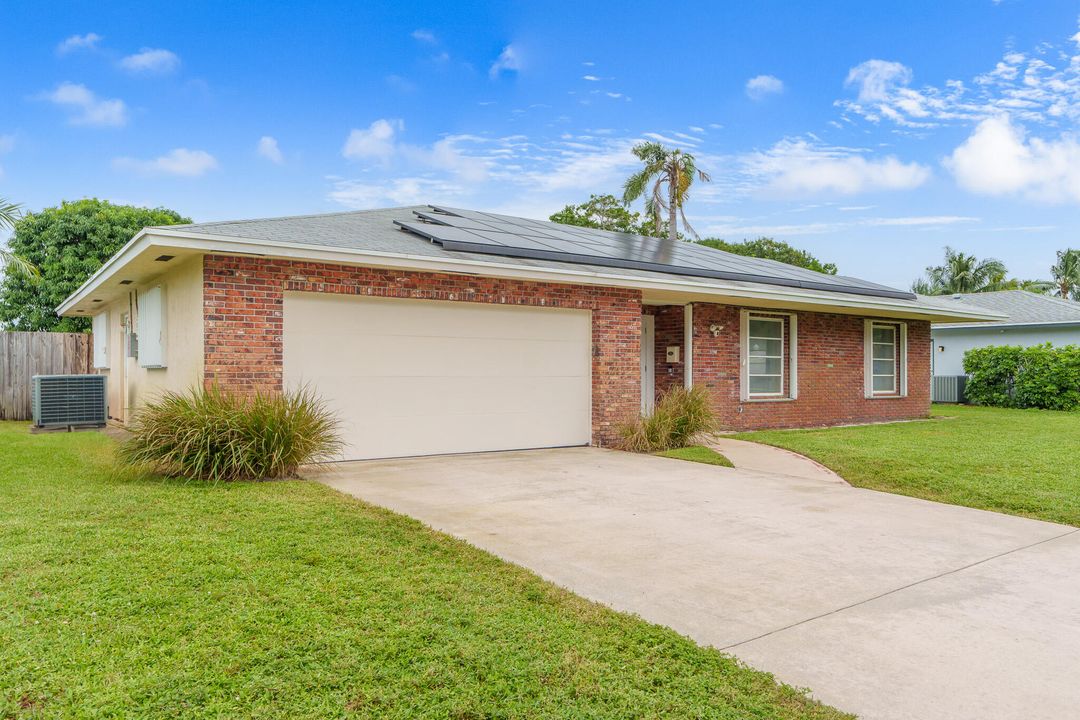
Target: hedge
point(1041, 376)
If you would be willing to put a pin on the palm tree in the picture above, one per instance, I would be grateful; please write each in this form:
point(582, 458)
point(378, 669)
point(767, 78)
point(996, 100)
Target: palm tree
point(1066, 272)
point(670, 174)
point(962, 273)
point(9, 213)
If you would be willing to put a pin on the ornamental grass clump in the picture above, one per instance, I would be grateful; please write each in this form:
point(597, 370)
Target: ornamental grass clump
point(217, 435)
point(678, 417)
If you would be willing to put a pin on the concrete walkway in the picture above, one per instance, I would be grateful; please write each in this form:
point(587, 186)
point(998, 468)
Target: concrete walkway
point(773, 460)
point(886, 606)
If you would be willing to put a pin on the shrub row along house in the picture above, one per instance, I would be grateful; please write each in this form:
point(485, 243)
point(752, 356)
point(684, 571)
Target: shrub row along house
point(435, 330)
point(1032, 320)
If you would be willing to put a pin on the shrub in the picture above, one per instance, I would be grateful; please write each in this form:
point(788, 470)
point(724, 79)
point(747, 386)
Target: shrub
point(679, 415)
point(1041, 376)
point(214, 434)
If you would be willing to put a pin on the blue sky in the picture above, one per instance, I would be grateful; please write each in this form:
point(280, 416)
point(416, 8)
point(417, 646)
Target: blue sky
point(872, 134)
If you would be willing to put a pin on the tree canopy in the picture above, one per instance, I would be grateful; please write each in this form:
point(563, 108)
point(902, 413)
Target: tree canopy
point(605, 212)
point(1066, 272)
point(67, 244)
point(9, 215)
point(665, 183)
point(962, 273)
point(771, 249)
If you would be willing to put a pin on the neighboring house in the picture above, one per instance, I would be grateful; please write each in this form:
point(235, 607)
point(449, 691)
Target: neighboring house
point(433, 330)
point(1031, 320)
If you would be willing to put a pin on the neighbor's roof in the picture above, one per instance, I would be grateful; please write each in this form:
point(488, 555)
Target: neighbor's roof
point(381, 238)
point(1022, 307)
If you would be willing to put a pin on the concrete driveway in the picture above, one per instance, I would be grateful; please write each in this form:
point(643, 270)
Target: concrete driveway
point(886, 606)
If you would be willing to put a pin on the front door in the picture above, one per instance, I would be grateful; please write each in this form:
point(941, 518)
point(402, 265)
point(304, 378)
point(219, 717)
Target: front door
point(648, 363)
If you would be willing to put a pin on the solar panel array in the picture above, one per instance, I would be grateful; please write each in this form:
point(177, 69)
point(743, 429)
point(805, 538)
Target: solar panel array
point(491, 234)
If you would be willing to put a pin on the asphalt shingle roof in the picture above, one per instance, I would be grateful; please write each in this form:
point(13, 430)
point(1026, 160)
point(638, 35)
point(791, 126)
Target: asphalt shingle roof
point(1022, 307)
point(376, 231)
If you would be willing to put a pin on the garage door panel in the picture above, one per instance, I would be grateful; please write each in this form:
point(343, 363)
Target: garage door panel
point(381, 318)
point(411, 377)
point(415, 357)
point(430, 397)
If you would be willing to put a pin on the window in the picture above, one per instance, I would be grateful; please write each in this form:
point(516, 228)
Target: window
point(883, 359)
point(766, 356)
point(769, 362)
point(886, 359)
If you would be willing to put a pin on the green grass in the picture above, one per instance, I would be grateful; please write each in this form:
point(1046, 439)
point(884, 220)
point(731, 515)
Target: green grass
point(697, 453)
point(1022, 462)
point(161, 599)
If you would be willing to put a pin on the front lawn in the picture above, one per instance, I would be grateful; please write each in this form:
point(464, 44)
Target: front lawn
point(697, 453)
point(1023, 462)
point(162, 599)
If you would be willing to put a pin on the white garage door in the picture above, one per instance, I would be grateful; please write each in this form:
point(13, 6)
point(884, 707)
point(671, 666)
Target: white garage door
point(422, 377)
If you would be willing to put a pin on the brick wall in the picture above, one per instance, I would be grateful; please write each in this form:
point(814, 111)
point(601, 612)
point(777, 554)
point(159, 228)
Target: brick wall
point(669, 331)
point(242, 316)
point(830, 356)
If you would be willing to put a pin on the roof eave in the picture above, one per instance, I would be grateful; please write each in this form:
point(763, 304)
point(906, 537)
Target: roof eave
point(228, 244)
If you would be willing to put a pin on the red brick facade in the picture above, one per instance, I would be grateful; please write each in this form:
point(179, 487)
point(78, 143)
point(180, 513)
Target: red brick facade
point(669, 331)
point(830, 372)
point(242, 313)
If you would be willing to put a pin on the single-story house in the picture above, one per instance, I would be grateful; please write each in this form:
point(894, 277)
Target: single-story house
point(1032, 319)
point(436, 330)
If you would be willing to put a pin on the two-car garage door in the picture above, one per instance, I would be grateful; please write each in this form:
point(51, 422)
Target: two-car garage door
point(421, 377)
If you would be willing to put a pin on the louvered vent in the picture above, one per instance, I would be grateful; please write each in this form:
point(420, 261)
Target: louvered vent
point(61, 400)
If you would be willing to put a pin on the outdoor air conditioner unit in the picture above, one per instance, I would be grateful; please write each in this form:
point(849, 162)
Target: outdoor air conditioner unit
point(67, 400)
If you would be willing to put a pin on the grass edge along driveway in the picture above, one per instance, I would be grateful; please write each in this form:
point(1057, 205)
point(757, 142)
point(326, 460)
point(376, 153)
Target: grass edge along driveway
point(155, 598)
point(1020, 462)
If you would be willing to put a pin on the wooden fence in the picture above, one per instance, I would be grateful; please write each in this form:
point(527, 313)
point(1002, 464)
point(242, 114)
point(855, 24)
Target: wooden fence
point(26, 354)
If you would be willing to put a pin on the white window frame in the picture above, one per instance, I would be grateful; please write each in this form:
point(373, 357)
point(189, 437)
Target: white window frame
point(100, 331)
point(789, 381)
point(900, 368)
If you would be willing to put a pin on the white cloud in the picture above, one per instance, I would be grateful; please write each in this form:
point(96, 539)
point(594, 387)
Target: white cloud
point(731, 227)
point(359, 195)
point(509, 59)
point(376, 142)
point(88, 108)
point(999, 159)
point(876, 79)
point(798, 167)
point(379, 142)
point(268, 148)
point(424, 36)
point(180, 162)
point(590, 78)
point(761, 86)
point(1041, 86)
point(88, 41)
point(151, 61)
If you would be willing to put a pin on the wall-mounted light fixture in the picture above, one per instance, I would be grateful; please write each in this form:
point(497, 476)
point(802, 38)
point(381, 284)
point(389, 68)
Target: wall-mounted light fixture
point(715, 330)
point(941, 348)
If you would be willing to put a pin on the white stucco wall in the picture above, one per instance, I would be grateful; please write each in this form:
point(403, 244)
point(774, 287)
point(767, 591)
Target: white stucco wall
point(130, 384)
point(957, 341)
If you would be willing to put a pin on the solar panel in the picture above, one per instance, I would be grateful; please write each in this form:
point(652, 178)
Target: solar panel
point(501, 235)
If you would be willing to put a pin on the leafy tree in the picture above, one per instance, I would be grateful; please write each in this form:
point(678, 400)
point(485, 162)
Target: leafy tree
point(9, 261)
point(604, 212)
point(1066, 272)
point(670, 173)
point(772, 249)
point(962, 273)
point(68, 244)
point(1039, 287)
